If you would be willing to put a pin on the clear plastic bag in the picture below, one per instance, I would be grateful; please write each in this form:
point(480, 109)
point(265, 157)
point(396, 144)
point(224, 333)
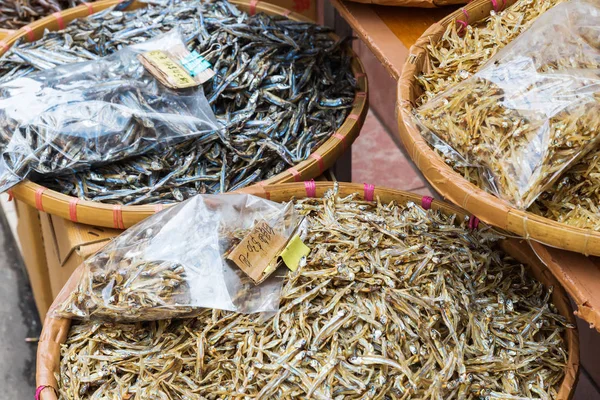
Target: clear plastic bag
point(91, 113)
point(529, 113)
point(173, 264)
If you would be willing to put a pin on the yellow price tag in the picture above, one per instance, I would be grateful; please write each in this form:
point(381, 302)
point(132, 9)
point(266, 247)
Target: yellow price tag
point(293, 252)
point(167, 70)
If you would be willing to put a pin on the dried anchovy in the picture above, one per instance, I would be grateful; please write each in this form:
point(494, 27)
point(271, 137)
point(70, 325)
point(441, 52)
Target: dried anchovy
point(461, 52)
point(393, 302)
point(282, 88)
point(575, 198)
point(16, 13)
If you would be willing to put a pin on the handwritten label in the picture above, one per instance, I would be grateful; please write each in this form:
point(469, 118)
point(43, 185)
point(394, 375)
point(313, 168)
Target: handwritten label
point(257, 251)
point(167, 70)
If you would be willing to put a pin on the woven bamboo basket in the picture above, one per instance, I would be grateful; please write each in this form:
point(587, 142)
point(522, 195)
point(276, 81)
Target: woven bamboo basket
point(413, 3)
point(121, 217)
point(452, 185)
point(55, 330)
point(580, 276)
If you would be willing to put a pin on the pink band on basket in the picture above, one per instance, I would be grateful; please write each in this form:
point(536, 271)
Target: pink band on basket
point(40, 389)
point(495, 5)
point(286, 12)
point(38, 198)
point(10, 195)
point(158, 208)
point(4, 46)
point(353, 116)
point(253, 4)
point(59, 19)
point(319, 161)
point(295, 174)
point(369, 192)
point(73, 209)
point(89, 7)
point(29, 33)
point(311, 188)
point(463, 24)
point(359, 75)
point(426, 202)
point(473, 222)
point(118, 217)
point(342, 138)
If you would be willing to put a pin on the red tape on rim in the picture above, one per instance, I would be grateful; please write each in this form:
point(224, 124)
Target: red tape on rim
point(463, 24)
point(369, 192)
point(311, 188)
point(73, 209)
point(295, 173)
point(353, 116)
point(10, 195)
point(473, 222)
point(118, 217)
point(38, 198)
point(253, 4)
point(40, 389)
point(29, 33)
point(359, 75)
point(4, 45)
point(89, 7)
point(495, 5)
point(426, 202)
point(158, 208)
point(59, 19)
point(319, 161)
point(342, 138)
point(466, 13)
point(286, 12)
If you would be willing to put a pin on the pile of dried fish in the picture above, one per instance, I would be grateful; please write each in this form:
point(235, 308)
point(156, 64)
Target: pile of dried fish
point(17, 13)
point(393, 302)
point(575, 198)
point(282, 88)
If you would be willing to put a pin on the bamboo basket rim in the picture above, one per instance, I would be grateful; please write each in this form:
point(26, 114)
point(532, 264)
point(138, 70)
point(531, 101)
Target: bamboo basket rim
point(450, 184)
point(55, 330)
point(413, 3)
point(121, 217)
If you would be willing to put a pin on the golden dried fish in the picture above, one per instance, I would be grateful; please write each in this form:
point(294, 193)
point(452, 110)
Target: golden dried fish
point(428, 309)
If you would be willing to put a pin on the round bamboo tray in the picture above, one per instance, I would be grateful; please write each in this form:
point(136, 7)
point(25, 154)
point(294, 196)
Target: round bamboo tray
point(580, 276)
point(413, 3)
point(121, 217)
point(55, 330)
point(452, 185)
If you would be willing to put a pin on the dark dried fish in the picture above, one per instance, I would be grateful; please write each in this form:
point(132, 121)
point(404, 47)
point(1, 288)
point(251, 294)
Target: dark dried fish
point(281, 89)
point(16, 13)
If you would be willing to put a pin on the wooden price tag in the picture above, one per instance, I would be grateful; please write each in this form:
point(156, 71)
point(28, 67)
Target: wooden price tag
point(257, 251)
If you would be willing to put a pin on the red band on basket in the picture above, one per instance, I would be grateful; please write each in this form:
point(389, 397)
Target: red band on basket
point(359, 75)
point(286, 12)
point(158, 208)
point(342, 138)
point(29, 33)
point(319, 160)
point(253, 4)
point(361, 94)
point(462, 23)
point(426, 202)
point(369, 192)
point(73, 209)
point(118, 217)
point(353, 116)
point(59, 19)
point(89, 7)
point(495, 5)
point(4, 46)
point(38, 198)
point(40, 389)
point(466, 13)
point(295, 173)
point(311, 188)
point(473, 222)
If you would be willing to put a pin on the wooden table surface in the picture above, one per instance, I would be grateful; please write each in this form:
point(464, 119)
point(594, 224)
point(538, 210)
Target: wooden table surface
point(389, 32)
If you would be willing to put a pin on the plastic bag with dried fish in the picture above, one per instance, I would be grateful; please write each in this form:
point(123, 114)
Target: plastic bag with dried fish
point(173, 264)
point(86, 114)
point(532, 111)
